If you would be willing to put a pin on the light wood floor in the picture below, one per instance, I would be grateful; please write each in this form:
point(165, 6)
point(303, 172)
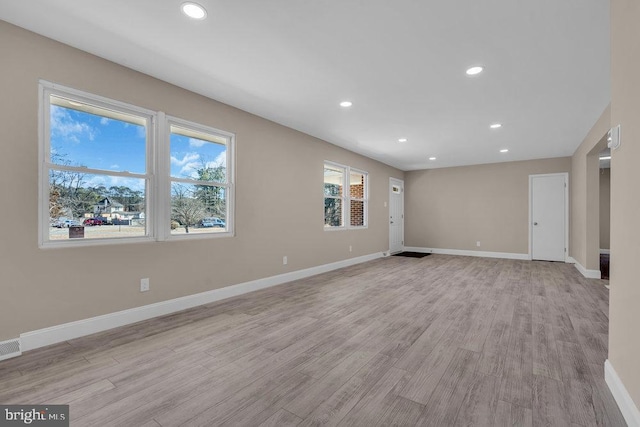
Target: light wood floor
point(436, 341)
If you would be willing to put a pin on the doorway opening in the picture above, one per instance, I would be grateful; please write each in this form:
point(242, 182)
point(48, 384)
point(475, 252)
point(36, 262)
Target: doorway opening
point(605, 211)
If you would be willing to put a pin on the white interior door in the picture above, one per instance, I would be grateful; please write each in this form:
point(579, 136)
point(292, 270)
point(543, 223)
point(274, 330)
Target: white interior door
point(548, 217)
point(396, 215)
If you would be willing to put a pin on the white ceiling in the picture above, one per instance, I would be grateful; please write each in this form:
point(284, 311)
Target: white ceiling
point(401, 62)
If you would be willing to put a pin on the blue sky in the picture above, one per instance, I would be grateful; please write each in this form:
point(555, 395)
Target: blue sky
point(85, 139)
point(189, 154)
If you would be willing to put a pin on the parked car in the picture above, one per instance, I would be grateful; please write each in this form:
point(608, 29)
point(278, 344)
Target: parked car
point(66, 223)
point(92, 221)
point(105, 220)
point(212, 222)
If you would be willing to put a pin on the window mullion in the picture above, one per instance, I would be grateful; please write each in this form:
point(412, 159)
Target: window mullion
point(346, 179)
point(86, 170)
point(198, 182)
point(161, 189)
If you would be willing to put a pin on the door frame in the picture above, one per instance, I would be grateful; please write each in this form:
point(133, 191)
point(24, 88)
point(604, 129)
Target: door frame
point(566, 211)
point(400, 182)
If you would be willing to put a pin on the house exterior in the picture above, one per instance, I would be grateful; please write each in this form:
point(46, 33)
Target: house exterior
point(107, 206)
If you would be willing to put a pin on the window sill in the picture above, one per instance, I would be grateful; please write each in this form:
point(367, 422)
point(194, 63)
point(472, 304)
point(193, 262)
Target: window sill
point(78, 243)
point(199, 236)
point(345, 228)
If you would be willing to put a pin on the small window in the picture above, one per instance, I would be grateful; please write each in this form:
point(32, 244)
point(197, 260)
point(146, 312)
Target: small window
point(345, 208)
point(333, 195)
point(97, 168)
point(200, 179)
point(358, 199)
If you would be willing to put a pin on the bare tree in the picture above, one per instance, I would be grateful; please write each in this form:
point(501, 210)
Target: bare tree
point(185, 207)
point(66, 193)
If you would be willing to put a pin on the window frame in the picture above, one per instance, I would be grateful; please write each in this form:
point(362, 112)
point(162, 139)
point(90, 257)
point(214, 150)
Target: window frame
point(342, 198)
point(46, 90)
point(157, 175)
point(346, 197)
point(364, 199)
point(165, 194)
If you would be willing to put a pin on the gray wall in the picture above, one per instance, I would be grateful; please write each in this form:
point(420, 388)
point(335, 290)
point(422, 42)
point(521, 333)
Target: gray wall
point(279, 206)
point(453, 208)
point(624, 298)
point(585, 202)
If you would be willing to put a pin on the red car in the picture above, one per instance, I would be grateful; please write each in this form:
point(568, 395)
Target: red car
point(92, 221)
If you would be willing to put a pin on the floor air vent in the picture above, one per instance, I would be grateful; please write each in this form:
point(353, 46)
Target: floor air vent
point(9, 349)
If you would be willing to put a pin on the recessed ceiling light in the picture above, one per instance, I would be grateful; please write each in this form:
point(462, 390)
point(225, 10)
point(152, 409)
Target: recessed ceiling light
point(402, 140)
point(193, 10)
point(495, 126)
point(474, 70)
point(605, 158)
point(346, 104)
point(504, 150)
point(432, 158)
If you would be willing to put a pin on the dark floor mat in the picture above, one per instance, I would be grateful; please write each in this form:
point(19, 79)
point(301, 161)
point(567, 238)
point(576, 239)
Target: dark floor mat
point(412, 254)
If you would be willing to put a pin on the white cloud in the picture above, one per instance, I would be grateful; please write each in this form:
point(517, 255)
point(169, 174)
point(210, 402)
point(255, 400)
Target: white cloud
point(221, 160)
point(141, 131)
point(188, 158)
point(191, 162)
point(116, 166)
point(105, 121)
point(62, 124)
point(190, 169)
point(193, 142)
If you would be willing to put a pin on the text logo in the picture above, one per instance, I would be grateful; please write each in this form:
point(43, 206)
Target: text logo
point(34, 415)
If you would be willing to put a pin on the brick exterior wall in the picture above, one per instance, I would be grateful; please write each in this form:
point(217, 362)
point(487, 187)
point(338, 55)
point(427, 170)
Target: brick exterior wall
point(357, 208)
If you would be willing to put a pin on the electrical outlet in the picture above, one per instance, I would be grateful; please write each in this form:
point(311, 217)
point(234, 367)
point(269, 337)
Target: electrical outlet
point(144, 284)
point(478, 243)
point(350, 248)
point(284, 260)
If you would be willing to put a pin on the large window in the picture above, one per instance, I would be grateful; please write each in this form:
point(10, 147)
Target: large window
point(111, 172)
point(345, 207)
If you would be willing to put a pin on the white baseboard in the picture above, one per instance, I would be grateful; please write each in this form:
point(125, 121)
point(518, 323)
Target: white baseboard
point(483, 254)
point(589, 274)
point(67, 331)
point(628, 408)
point(605, 251)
